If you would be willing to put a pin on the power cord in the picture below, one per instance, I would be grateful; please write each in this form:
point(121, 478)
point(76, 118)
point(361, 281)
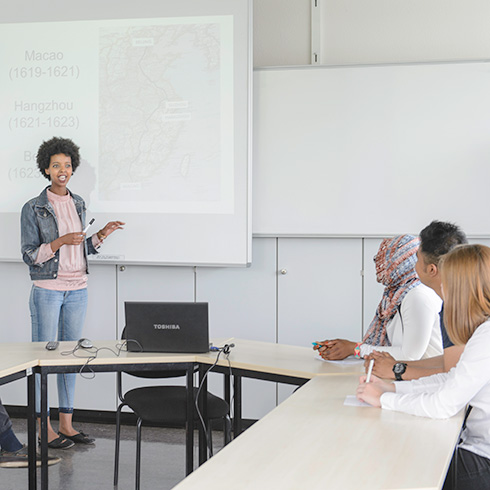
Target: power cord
point(94, 352)
point(123, 347)
point(226, 350)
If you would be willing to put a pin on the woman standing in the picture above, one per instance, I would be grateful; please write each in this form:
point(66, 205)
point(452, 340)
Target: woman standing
point(55, 249)
point(466, 289)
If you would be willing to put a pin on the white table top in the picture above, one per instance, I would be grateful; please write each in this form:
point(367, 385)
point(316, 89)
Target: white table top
point(256, 356)
point(313, 441)
point(287, 360)
point(14, 361)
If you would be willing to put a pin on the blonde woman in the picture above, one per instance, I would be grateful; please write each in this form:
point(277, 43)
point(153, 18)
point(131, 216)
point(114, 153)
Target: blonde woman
point(466, 290)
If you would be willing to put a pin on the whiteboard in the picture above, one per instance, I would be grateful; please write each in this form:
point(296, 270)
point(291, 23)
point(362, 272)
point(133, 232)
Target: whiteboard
point(371, 150)
point(157, 94)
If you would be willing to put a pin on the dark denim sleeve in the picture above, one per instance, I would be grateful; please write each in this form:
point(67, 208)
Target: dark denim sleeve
point(30, 237)
point(91, 250)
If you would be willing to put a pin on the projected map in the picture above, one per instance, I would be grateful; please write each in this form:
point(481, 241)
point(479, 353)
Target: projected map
point(159, 118)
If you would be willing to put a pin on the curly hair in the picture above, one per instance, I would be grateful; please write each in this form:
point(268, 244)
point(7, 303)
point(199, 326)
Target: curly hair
point(55, 146)
point(438, 238)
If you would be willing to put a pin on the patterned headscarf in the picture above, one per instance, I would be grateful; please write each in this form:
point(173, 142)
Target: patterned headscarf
point(395, 269)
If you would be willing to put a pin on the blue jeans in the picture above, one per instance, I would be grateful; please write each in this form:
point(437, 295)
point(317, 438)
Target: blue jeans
point(58, 315)
point(5, 423)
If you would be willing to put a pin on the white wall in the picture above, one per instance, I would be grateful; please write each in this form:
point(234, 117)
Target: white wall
point(281, 32)
point(375, 31)
point(392, 31)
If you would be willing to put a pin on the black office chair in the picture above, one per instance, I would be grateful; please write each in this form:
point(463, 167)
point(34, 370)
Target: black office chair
point(165, 405)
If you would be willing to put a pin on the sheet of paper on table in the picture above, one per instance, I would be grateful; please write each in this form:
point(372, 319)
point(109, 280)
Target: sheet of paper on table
point(353, 401)
point(348, 361)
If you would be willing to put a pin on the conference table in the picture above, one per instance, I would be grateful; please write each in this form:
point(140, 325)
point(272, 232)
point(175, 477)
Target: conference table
point(263, 360)
point(326, 386)
point(312, 440)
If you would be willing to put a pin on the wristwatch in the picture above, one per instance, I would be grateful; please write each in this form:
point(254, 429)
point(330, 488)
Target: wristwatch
point(399, 368)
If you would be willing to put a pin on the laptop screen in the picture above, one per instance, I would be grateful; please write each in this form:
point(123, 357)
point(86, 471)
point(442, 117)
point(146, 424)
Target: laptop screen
point(167, 327)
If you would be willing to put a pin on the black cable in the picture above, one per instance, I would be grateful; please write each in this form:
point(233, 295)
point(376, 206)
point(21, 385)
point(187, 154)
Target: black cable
point(232, 399)
point(126, 342)
point(94, 351)
point(199, 389)
point(221, 350)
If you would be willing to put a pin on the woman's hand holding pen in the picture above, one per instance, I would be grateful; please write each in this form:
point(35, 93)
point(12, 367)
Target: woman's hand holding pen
point(75, 238)
point(371, 392)
point(321, 347)
point(336, 349)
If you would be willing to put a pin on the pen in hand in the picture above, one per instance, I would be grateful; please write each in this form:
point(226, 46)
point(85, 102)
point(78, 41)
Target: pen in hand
point(319, 344)
point(370, 370)
point(87, 227)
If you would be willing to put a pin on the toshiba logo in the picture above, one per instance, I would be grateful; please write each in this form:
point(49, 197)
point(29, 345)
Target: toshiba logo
point(162, 326)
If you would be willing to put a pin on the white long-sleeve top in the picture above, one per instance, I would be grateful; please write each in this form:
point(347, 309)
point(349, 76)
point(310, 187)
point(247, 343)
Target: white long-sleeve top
point(416, 334)
point(443, 395)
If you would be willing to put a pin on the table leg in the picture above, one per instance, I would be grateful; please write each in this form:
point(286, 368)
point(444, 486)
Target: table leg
point(31, 429)
point(189, 425)
point(203, 408)
point(237, 406)
point(227, 389)
point(44, 430)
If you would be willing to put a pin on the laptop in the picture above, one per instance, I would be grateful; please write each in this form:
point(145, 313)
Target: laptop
point(167, 327)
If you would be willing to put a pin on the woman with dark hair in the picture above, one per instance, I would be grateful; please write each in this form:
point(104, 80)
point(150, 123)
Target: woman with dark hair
point(465, 273)
point(406, 323)
point(55, 248)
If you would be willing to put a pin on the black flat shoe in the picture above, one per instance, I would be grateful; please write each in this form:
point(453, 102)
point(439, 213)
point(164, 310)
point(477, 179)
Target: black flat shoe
point(59, 443)
point(79, 438)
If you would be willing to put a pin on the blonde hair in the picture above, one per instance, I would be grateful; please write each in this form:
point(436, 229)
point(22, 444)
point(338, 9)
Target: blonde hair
point(465, 272)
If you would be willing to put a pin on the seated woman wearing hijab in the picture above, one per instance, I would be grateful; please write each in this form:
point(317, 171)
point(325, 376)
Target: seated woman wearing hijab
point(406, 323)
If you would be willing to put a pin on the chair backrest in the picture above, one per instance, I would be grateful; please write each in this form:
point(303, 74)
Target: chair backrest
point(165, 373)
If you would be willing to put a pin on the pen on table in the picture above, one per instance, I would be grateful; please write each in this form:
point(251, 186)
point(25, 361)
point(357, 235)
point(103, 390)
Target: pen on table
point(370, 370)
point(91, 222)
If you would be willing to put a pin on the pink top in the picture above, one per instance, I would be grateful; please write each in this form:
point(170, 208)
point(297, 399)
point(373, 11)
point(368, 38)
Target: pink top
point(72, 269)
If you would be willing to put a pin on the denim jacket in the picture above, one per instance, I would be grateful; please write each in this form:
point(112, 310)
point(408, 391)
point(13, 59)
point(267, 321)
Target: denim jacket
point(39, 225)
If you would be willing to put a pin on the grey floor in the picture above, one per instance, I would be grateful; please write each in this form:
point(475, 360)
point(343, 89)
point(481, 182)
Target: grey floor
point(91, 467)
